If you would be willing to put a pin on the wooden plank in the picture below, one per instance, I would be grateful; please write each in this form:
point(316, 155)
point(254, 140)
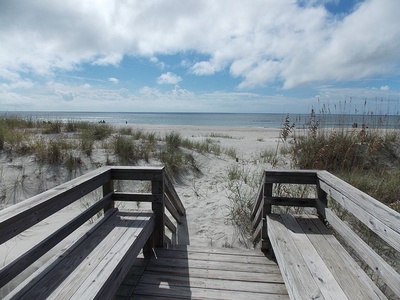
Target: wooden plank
point(71, 270)
point(15, 267)
point(256, 219)
point(214, 265)
point(187, 292)
point(131, 280)
point(173, 195)
point(116, 264)
point(68, 273)
point(221, 250)
point(322, 202)
point(286, 201)
point(139, 197)
point(260, 197)
point(86, 238)
point(291, 176)
point(17, 218)
point(108, 187)
point(378, 217)
point(126, 290)
point(158, 207)
point(122, 227)
point(169, 206)
point(138, 266)
point(326, 282)
point(258, 232)
point(353, 280)
point(218, 284)
point(143, 173)
point(266, 210)
point(243, 276)
point(168, 223)
point(296, 274)
point(225, 251)
point(385, 272)
point(212, 273)
point(191, 255)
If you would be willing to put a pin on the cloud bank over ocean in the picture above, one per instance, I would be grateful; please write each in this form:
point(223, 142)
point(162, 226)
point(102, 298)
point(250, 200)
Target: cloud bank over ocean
point(263, 47)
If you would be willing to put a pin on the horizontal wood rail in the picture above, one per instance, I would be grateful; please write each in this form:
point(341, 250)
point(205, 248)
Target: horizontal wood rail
point(16, 219)
point(382, 220)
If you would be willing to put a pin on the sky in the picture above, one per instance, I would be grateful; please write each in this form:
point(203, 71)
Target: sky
point(258, 56)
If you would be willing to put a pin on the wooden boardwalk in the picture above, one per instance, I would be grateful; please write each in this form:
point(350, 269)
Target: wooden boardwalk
point(199, 273)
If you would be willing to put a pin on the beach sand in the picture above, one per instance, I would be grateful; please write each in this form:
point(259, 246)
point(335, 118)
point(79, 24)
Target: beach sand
point(204, 195)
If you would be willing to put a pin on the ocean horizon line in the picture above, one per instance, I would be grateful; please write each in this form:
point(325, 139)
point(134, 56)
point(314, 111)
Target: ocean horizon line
point(232, 119)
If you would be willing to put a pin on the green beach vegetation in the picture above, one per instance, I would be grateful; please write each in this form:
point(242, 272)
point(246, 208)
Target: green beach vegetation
point(366, 157)
point(60, 151)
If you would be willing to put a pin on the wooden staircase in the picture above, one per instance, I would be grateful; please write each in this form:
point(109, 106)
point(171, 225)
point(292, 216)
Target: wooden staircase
point(187, 272)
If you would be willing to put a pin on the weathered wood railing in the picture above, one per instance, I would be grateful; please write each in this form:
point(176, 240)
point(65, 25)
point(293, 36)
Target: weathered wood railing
point(266, 200)
point(331, 191)
point(16, 219)
point(162, 196)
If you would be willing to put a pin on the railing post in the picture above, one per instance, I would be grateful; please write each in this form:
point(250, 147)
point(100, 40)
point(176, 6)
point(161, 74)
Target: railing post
point(108, 188)
point(158, 207)
point(322, 202)
point(267, 209)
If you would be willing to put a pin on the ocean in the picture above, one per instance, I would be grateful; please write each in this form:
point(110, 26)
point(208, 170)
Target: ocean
point(259, 120)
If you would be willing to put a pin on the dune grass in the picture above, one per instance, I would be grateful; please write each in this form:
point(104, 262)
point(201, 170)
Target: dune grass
point(65, 144)
point(369, 158)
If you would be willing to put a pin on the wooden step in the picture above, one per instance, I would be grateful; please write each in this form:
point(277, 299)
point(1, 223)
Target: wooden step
point(207, 273)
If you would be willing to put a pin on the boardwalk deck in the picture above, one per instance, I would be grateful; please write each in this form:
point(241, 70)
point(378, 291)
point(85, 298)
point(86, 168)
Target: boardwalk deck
point(188, 273)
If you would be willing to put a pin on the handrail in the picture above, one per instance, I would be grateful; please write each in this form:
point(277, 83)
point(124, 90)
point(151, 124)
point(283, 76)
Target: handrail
point(19, 217)
point(379, 218)
point(173, 195)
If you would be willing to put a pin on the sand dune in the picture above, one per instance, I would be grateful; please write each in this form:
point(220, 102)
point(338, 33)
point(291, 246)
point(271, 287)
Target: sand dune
point(204, 195)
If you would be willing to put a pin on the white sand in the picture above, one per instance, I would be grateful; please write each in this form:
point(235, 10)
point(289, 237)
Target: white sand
point(205, 196)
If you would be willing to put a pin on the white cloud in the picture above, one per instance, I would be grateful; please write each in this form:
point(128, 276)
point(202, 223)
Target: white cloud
point(385, 88)
point(158, 63)
point(66, 95)
point(169, 78)
point(262, 42)
point(204, 68)
point(113, 80)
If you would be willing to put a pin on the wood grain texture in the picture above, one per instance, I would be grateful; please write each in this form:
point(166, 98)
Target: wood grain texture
point(323, 277)
point(385, 272)
point(209, 273)
point(101, 257)
point(22, 262)
point(353, 280)
point(378, 217)
point(96, 263)
point(329, 265)
point(17, 218)
point(44, 270)
point(298, 278)
point(173, 195)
